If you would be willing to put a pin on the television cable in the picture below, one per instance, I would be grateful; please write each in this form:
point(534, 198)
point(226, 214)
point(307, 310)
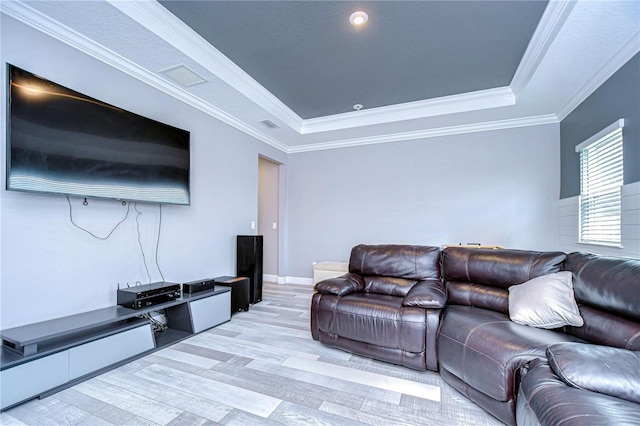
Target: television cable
point(158, 242)
point(86, 203)
point(144, 258)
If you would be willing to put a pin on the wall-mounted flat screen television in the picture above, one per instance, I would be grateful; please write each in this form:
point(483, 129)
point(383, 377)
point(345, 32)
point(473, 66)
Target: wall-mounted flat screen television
point(63, 142)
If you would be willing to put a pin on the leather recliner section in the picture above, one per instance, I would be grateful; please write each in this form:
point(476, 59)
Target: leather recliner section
point(387, 307)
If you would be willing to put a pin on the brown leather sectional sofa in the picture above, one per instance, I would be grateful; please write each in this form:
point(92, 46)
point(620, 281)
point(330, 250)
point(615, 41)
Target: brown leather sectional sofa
point(464, 312)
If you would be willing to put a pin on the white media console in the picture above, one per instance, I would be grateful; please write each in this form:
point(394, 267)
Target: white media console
point(42, 358)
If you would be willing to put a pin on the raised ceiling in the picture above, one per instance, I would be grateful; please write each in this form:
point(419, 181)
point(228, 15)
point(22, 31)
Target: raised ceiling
point(309, 56)
point(420, 68)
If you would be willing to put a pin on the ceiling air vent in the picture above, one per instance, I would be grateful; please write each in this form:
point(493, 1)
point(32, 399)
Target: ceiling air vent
point(270, 124)
point(183, 75)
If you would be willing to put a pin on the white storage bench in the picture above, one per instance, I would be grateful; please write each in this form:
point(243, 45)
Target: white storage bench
point(324, 270)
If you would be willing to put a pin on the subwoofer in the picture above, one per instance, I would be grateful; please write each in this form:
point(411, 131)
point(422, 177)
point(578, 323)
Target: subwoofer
point(249, 264)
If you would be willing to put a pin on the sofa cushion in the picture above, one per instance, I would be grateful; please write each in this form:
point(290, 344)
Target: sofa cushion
point(545, 399)
point(603, 369)
point(341, 286)
point(390, 286)
point(606, 328)
point(607, 290)
point(376, 319)
point(399, 261)
point(428, 294)
point(485, 348)
point(610, 284)
point(478, 295)
point(498, 267)
point(546, 301)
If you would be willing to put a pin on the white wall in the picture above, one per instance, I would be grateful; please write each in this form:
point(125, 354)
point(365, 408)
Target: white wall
point(495, 188)
point(568, 226)
point(49, 268)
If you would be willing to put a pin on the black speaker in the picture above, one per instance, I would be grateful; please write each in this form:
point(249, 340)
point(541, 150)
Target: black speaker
point(198, 286)
point(239, 292)
point(249, 264)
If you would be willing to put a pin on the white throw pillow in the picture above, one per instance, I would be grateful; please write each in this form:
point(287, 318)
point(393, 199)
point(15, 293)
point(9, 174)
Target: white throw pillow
point(545, 302)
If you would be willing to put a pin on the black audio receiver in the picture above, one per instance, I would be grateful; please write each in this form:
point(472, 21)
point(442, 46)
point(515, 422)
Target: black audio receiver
point(145, 295)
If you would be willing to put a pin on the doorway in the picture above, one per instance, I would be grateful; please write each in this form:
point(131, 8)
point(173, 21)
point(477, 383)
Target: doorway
point(268, 215)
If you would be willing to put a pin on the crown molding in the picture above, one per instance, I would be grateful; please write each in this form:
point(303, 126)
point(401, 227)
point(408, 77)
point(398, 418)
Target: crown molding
point(618, 59)
point(553, 18)
point(482, 99)
point(430, 133)
point(157, 19)
point(35, 19)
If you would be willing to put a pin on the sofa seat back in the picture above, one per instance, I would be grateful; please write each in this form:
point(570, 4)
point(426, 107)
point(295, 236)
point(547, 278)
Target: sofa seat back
point(481, 277)
point(607, 290)
point(480, 350)
point(394, 269)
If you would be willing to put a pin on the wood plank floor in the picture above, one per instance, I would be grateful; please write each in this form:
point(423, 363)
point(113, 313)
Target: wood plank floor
point(261, 368)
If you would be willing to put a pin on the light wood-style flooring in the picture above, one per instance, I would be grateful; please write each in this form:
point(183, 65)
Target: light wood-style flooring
point(261, 368)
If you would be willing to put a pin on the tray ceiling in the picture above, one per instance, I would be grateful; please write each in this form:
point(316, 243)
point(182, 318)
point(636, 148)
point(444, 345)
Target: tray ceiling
point(310, 57)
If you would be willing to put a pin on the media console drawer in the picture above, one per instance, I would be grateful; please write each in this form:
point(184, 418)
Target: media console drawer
point(210, 311)
point(32, 378)
point(101, 353)
point(35, 377)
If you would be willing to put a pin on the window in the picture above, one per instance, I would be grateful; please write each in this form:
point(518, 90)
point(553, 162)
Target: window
point(601, 180)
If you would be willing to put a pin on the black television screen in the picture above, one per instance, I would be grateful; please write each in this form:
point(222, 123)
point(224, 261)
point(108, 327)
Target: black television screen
point(60, 141)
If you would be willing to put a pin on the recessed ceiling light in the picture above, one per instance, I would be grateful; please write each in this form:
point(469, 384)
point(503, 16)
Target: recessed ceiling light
point(358, 18)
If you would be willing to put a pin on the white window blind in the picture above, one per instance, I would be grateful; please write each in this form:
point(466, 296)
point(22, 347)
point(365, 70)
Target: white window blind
point(601, 180)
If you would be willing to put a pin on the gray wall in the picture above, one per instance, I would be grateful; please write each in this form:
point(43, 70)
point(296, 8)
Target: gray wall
point(50, 268)
point(497, 188)
point(618, 97)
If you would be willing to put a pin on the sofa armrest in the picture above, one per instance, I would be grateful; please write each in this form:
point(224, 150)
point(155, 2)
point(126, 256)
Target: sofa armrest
point(428, 294)
point(604, 369)
point(342, 285)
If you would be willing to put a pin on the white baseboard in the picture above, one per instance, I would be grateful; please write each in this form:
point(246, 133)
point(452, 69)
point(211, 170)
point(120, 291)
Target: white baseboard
point(287, 280)
point(298, 280)
point(270, 278)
